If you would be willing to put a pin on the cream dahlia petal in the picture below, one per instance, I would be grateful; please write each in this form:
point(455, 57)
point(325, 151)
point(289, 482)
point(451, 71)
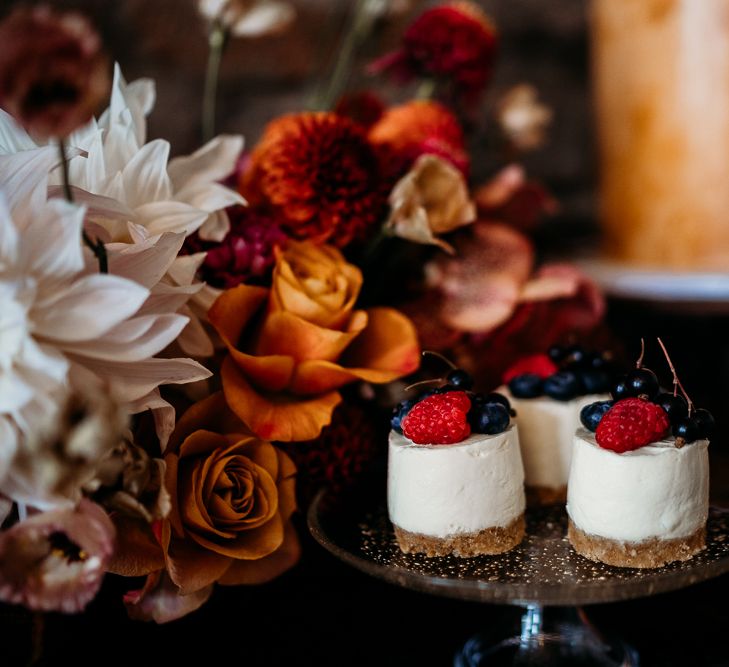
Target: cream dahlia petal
point(194, 339)
point(144, 263)
point(99, 208)
point(15, 392)
point(24, 177)
point(134, 340)
point(133, 381)
point(213, 162)
point(210, 196)
point(170, 216)
point(145, 175)
point(52, 240)
point(88, 308)
point(162, 412)
point(169, 298)
point(13, 138)
point(130, 104)
point(8, 235)
point(216, 227)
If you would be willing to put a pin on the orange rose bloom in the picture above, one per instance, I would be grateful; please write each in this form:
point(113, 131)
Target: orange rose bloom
point(293, 346)
point(420, 127)
point(232, 497)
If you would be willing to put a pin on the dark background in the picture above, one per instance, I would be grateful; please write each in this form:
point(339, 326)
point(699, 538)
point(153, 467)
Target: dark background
point(323, 612)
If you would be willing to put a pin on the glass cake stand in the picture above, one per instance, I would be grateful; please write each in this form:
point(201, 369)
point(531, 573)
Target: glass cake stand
point(543, 575)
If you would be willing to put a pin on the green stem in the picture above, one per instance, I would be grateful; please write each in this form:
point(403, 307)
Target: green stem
point(97, 247)
point(360, 26)
point(217, 40)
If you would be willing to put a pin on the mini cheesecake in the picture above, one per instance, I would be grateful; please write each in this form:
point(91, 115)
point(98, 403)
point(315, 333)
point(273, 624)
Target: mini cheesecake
point(465, 499)
point(642, 508)
point(546, 433)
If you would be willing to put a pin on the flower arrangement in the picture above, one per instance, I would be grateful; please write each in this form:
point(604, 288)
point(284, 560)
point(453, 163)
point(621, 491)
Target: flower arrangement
point(178, 336)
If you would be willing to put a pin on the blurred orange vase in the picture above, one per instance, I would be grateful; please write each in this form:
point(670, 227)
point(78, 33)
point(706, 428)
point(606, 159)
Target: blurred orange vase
point(293, 346)
point(661, 75)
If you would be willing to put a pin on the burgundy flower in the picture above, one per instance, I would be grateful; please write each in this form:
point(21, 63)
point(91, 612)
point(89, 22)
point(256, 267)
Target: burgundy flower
point(245, 255)
point(55, 561)
point(340, 455)
point(52, 72)
point(363, 107)
point(454, 42)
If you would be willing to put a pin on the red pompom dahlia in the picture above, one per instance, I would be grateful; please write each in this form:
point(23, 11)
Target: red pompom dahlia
point(321, 177)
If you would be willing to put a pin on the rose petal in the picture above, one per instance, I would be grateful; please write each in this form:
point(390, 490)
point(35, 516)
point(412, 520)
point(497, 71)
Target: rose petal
point(268, 568)
point(284, 418)
point(138, 553)
point(193, 567)
point(284, 333)
point(161, 601)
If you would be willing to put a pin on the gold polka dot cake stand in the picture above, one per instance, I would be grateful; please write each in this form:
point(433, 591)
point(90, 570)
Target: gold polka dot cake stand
point(543, 575)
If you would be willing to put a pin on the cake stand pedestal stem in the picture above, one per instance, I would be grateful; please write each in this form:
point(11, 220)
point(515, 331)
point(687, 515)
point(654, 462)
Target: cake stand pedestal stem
point(549, 637)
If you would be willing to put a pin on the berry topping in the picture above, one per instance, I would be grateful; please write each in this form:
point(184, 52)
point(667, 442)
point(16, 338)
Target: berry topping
point(705, 421)
point(528, 385)
point(595, 381)
point(562, 386)
point(686, 430)
point(398, 414)
point(459, 379)
point(441, 419)
point(537, 364)
point(642, 382)
point(575, 355)
point(675, 407)
point(493, 397)
point(592, 414)
point(557, 353)
point(630, 424)
point(489, 418)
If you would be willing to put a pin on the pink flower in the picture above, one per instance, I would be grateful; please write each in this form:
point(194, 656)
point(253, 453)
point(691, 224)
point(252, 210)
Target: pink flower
point(245, 255)
point(454, 42)
point(53, 74)
point(55, 561)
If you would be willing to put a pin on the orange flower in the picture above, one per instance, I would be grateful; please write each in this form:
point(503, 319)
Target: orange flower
point(419, 127)
point(320, 176)
point(294, 345)
point(232, 497)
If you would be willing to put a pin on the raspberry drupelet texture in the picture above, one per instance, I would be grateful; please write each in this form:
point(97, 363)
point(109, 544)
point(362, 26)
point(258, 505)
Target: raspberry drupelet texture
point(440, 419)
point(630, 424)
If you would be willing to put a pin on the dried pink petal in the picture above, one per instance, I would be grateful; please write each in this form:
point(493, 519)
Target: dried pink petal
point(55, 561)
point(160, 600)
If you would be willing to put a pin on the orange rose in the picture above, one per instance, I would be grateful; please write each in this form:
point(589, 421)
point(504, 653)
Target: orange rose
point(293, 346)
point(232, 497)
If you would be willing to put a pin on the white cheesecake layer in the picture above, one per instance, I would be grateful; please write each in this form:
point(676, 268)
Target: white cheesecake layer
point(657, 491)
point(546, 433)
point(442, 490)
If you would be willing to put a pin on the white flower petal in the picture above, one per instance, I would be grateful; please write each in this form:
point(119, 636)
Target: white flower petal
point(162, 411)
point(264, 18)
point(52, 240)
point(88, 308)
point(132, 381)
point(8, 236)
point(9, 438)
point(145, 175)
point(213, 162)
point(215, 227)
point(170, 216)
point(24, 176)
point(184, 268)
point(145, 264)
point(210, 196)
point(15, 392)
point(134, 340)
point(194, 340)
point(13, 138)
point(98, 207)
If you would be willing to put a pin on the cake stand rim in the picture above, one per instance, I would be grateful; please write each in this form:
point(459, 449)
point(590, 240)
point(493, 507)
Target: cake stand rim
point(558, 595)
